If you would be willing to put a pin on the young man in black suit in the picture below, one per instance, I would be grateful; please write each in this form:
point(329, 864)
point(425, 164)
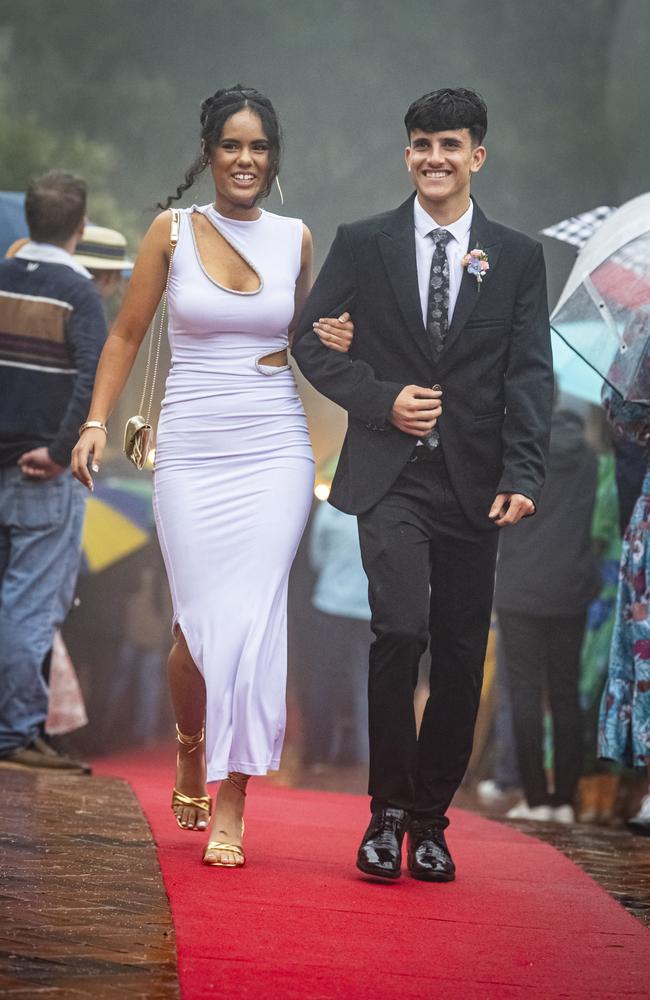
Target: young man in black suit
point(448, 387)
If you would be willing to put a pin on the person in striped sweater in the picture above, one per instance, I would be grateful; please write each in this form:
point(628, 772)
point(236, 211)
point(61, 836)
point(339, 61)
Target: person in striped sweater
point(52, 328)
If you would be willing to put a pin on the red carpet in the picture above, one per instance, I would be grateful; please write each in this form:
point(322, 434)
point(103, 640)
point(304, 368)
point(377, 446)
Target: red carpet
point(299, 923)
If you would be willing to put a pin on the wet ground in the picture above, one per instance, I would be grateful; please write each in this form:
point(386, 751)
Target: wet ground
point(83, 911)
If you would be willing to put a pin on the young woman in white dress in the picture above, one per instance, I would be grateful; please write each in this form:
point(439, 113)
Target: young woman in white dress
point(233, 473)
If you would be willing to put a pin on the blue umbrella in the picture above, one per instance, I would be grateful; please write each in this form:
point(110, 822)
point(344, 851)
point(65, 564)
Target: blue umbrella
point(13, 225)
point(573, 375)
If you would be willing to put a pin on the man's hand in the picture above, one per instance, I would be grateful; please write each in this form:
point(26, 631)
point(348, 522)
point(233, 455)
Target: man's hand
point(336, 334)
point(37, 464)
point(508, 508)
point(416, 410)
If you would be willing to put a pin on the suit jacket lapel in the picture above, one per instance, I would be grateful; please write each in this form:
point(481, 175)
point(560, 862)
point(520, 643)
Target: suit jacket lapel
point(481, 235)
point(397, 247)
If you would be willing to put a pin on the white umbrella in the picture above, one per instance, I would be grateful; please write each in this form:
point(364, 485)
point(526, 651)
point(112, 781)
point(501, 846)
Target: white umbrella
point(603, 313)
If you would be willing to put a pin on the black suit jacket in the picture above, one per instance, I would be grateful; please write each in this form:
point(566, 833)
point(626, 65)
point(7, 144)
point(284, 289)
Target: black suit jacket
point(495, 369)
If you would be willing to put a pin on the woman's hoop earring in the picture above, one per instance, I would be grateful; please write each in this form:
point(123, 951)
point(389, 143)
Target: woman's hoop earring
point(277, 181)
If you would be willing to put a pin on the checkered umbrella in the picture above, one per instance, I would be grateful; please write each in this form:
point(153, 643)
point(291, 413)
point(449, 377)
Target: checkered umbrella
point(579, 228)
point(603, 315)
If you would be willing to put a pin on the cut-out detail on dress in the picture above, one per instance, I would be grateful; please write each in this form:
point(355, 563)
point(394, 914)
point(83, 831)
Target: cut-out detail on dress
point(277, 359)
point(232, 457)
point(238, 253)
point(271, 369)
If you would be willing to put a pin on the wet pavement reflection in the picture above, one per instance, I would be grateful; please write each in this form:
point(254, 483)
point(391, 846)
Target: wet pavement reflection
point(83, 911)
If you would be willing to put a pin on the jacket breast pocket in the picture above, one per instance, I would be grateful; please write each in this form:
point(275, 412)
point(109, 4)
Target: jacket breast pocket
point(493, 323)
point(492, 417)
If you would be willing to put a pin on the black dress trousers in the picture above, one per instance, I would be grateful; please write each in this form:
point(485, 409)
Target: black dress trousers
point(542, 656)
point(431, 579)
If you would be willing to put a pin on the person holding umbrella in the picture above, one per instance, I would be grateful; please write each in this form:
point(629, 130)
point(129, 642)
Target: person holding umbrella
point(624, 724)
point(604, 316)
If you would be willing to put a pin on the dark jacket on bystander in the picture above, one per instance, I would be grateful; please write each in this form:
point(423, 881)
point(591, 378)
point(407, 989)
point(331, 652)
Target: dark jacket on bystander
point(547, 564)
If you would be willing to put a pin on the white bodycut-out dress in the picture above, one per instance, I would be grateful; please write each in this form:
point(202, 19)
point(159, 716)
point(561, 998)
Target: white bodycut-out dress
point(233, 483)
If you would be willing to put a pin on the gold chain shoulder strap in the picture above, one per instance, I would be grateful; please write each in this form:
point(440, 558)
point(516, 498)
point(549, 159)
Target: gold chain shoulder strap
point(173, 241)
point(138, 433)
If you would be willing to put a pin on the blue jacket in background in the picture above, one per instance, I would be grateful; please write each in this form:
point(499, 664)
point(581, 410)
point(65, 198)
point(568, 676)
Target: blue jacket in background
point(341, 585)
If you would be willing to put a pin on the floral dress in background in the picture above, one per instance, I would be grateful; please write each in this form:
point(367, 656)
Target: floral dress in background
point(601, 615)
point(624, 725)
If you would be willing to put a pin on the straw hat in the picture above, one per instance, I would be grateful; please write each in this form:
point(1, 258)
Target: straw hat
point(16, 246)
point(102, 249)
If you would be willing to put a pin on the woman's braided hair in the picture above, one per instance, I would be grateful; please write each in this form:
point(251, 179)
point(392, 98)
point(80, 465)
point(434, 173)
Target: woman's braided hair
point(215, 112)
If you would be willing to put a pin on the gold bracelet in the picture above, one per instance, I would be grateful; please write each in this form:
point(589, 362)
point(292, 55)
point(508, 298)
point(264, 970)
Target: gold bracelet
point(93, 423)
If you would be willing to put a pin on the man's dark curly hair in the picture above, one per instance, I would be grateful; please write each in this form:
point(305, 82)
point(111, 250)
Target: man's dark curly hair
point(449, 109)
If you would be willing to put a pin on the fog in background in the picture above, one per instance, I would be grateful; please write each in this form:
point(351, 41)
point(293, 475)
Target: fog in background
point(565, 83)
point(113, 90)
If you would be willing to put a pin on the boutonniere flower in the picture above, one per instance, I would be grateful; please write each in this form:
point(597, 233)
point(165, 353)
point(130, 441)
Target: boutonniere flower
point(477, 263)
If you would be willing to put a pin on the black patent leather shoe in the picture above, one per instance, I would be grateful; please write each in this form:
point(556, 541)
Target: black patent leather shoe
point(380, 853)
point(428, 855)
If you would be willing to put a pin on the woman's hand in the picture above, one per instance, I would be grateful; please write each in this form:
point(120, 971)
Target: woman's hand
point(91, 443)
point(337, 334)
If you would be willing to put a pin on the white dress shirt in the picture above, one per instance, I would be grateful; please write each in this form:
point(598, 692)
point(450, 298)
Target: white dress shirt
point(456, 250)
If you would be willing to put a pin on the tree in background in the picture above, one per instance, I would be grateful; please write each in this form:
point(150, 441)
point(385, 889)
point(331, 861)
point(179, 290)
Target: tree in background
point(29, 146)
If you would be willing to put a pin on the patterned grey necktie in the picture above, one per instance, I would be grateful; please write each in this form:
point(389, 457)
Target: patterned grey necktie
point(437, 309)
point(438, 301)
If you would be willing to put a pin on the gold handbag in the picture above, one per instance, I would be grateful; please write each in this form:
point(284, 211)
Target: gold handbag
point(138, 433)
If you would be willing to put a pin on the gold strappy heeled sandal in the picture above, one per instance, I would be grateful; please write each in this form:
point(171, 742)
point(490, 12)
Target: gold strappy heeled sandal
point(202, 803)
point(239, 781)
